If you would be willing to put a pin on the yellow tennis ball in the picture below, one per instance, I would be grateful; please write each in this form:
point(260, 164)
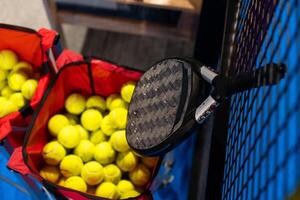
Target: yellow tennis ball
point(119, 117)
point(112, 173)
point(92, 172)
point(130, 194)
point(107, 190)
point(127, 161)
point(75, 103)
point(84, 134)
point(2, 84)
point(71, 165)
point(69, 136)
point(97, 102)
point(18, 99)
point(150, 161)
point(140, 175)
point(115, 101)
point(53, 153)
point(110, 98)
point(3, 101)
point(127, 91)
point(119, 142)
point(8, 59)
point(23, 67)
point(16, 80)
point(76, 183)
point(85, 150)
point(56, 123)
point(6, 92)
point(3, 74)
point(124, 186)
point(97, 137)
point(107, 126)
point(7, 107)
point(61, 181)
point(28, 88)
point(50, 173)
point(73, 119)
point(10, 107)
point(91, 119)
point(104, 153)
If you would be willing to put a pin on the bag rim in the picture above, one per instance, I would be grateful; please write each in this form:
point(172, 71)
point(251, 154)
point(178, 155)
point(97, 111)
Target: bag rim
point(18, 28)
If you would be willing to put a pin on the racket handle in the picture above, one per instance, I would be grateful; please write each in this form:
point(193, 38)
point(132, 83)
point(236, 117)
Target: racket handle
point(269, 74)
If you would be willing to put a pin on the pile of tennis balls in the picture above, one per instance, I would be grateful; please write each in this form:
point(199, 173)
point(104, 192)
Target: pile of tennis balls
point(89, 151)
point(18, 82)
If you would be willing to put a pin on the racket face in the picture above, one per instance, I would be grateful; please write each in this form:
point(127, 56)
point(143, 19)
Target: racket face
point(158, 105)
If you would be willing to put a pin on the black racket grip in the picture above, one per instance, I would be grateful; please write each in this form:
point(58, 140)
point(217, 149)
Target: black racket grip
point(269, 74)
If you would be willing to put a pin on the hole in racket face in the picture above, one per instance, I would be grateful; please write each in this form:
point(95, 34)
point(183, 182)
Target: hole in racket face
point(158, 104)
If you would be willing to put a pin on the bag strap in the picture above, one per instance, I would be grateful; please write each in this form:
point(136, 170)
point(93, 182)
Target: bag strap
point(51, 47)
point(26, 110)
point(48, 37)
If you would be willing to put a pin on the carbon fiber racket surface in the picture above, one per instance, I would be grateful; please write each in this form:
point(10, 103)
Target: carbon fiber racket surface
point(154, 107)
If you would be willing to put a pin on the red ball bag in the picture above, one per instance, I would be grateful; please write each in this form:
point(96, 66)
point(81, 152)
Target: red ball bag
point(89, 77)
point(33, 47)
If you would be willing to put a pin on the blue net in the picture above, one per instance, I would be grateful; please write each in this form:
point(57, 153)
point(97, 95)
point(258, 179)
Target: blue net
point(175, 173)
point(263, 143)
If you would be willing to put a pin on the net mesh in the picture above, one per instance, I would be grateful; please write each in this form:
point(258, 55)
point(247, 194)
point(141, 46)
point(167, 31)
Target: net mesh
point(263, 143)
